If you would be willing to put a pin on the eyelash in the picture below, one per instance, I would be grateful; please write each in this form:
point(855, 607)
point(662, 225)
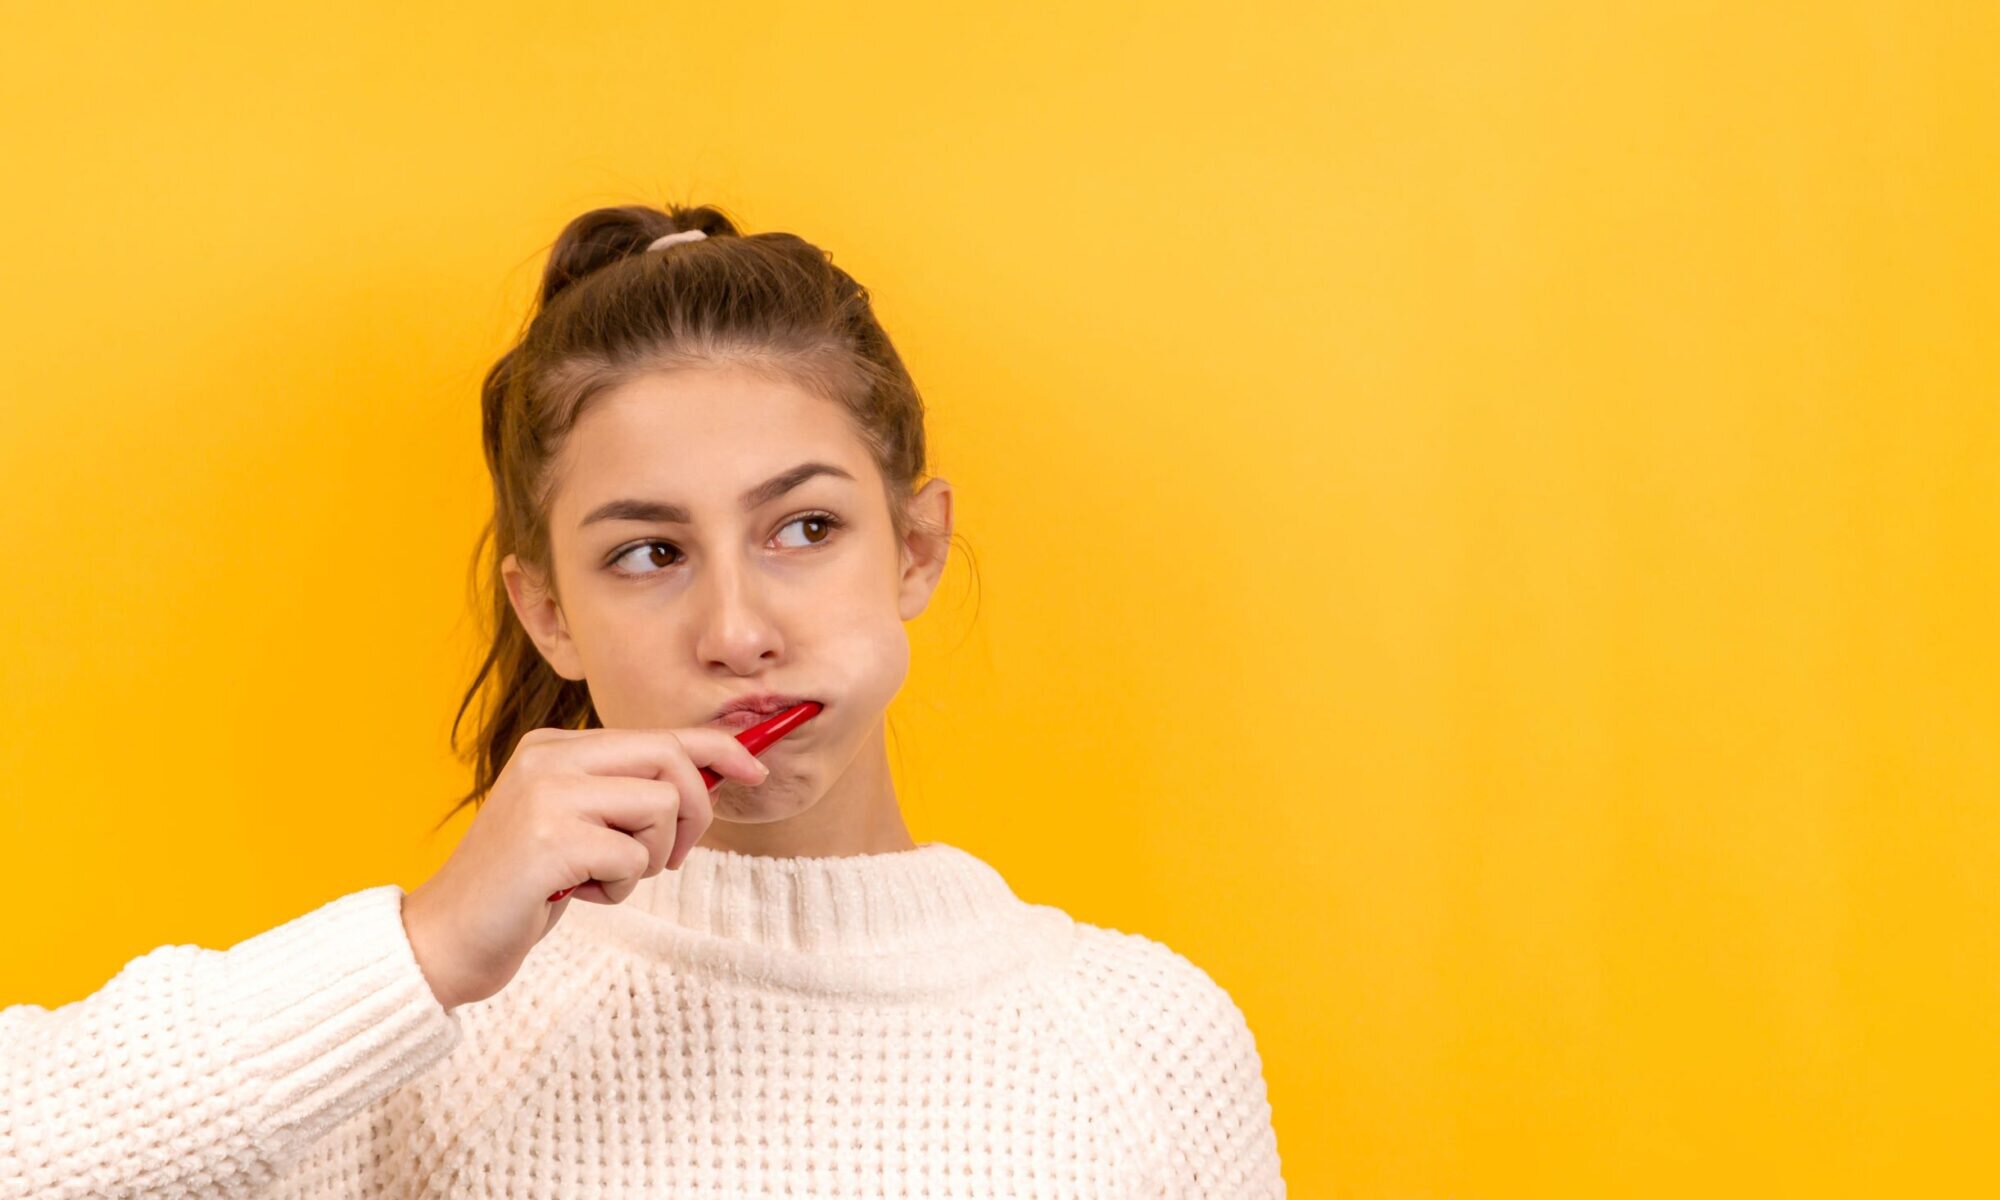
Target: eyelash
point(831, 522)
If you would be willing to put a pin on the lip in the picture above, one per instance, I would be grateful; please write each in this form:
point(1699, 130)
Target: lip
point(739, 720)
point(756, 708)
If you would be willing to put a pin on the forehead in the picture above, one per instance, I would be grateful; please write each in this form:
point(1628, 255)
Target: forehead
point(698, 437)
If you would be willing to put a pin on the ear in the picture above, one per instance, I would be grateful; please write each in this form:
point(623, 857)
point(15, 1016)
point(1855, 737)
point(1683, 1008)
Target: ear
point(542, 617)
point(924, 548)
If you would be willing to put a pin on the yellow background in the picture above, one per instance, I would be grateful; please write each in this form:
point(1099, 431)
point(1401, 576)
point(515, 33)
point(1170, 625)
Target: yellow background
point(1485, 515)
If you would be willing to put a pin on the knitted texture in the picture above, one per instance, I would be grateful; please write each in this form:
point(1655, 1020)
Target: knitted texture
point(884, 1025)
point(198, 1072)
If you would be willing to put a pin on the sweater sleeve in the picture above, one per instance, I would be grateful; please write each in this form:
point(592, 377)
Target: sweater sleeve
point(198, 1072)
point(1185, 1050)
point(1218, 1112)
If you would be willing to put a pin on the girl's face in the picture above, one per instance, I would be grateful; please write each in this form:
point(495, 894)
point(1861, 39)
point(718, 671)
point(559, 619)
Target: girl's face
point(716, 534)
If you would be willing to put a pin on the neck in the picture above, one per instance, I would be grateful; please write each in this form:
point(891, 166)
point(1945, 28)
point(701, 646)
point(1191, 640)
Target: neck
point(856, 814)
point(932, 921)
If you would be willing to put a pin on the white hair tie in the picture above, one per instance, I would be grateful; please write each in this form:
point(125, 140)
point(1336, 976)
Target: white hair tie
point(685, 235)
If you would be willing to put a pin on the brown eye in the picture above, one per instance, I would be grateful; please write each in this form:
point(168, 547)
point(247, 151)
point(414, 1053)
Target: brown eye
point(658, 551)
point(627, 562)
point(826, 522)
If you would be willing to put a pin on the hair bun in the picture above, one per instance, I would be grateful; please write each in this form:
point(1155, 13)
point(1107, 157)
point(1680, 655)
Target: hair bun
point(603, 236)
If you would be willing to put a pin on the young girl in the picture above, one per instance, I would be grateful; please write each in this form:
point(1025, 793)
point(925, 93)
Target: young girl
point(704, 453)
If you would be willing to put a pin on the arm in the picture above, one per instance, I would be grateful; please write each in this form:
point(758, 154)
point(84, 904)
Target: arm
point(1218, 1112)
point(204, 1072)
point(1181, 1049)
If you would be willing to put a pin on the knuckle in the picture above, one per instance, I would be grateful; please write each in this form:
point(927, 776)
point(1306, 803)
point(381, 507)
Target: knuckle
point(528, 756)
point(697, 821)
point(545, 831)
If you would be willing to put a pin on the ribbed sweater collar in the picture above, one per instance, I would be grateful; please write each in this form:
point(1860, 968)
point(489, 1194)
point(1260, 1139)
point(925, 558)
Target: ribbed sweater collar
point(930, 918)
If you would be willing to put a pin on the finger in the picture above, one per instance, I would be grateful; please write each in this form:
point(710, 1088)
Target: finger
point(646, 752)
point(695, 810)
point(612, 862)
point(642, 808)
point(555, 914)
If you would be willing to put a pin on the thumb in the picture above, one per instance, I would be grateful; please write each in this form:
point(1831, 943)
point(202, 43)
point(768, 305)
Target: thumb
point(555, 914)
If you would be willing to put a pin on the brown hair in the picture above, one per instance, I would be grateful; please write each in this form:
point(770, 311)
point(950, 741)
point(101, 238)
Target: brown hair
point(609, 310)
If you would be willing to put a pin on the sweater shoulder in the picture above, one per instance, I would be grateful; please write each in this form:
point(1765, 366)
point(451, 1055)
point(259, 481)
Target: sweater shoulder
point(1183, 1051)
point(1131, 973)
point(1158, 1010)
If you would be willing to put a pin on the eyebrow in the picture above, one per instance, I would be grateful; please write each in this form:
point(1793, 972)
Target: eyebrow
point(660, 512)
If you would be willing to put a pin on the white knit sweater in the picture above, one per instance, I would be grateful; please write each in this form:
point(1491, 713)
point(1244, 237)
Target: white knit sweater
point(894, 1024)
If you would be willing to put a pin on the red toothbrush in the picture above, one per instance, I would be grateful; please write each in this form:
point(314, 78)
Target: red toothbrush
point(756, 739)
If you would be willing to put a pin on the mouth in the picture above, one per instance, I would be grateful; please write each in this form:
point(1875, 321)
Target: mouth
point(741, 714)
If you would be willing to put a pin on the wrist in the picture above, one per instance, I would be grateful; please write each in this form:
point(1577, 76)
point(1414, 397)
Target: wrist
point(416, 926)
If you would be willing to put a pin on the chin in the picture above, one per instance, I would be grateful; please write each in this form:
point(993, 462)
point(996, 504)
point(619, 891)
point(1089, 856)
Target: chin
point(758, 805)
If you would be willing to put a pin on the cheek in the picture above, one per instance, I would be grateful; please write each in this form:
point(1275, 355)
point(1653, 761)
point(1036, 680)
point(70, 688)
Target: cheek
point(628, 685)
point(861, 663)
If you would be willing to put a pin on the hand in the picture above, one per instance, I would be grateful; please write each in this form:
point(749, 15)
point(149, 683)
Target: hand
point(607, 806)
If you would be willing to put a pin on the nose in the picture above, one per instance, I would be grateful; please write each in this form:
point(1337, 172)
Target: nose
point(736, 628)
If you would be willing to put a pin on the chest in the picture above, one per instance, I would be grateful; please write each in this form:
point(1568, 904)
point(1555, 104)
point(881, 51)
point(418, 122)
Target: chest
point(801, 1102)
